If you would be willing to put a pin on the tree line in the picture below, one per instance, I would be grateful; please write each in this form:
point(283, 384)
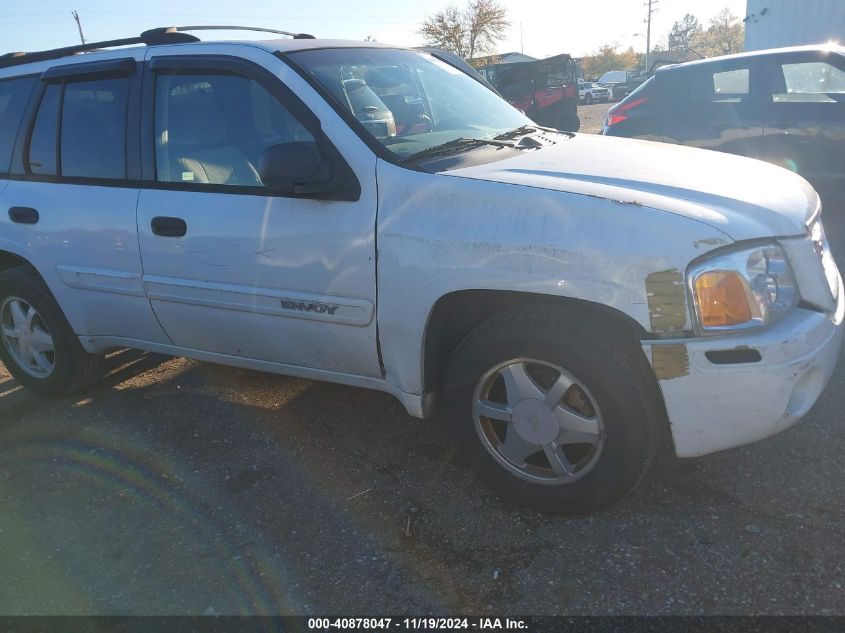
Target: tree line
point(475, 30)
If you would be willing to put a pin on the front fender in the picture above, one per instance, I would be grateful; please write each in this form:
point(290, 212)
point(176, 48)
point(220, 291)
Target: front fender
point(439, 234)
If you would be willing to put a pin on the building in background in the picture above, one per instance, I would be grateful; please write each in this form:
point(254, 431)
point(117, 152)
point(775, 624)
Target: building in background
point(776, 23)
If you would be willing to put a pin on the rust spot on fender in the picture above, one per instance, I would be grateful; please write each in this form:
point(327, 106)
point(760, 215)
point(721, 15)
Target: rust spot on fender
point(669, 361)
point(667, 308)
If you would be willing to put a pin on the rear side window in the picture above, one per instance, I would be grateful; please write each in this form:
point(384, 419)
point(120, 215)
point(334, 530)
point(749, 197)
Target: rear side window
point(703, 85)
point(14, 93)
point(93, 138)
point(42, 145)
point(731, 83)
point(80, 130)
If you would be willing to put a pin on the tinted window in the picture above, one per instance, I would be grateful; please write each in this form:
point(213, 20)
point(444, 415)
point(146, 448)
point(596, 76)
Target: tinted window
point(94, 128)
point(705, 85)
point(14, 94)
point(42, 145)
point(731, 82)
point(811, 81)
point(214, 128)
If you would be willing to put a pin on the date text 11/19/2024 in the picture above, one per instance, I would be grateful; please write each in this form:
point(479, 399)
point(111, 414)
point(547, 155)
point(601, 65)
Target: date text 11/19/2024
point(414, 624)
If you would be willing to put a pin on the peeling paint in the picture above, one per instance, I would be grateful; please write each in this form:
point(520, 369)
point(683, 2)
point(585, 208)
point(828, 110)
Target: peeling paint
point(635, 203)
point(669, 361)
point(666, 301)
point(710, 241)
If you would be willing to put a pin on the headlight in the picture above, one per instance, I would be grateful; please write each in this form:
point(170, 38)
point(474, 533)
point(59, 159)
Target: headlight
point(742, 289)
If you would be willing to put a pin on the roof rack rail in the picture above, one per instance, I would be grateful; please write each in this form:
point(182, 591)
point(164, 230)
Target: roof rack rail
point(219, 27)
point(151, 37)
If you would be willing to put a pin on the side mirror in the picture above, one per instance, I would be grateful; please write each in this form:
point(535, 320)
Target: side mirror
point(296, 168)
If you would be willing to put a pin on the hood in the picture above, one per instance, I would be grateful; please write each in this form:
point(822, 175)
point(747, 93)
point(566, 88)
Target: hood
point(743, 198)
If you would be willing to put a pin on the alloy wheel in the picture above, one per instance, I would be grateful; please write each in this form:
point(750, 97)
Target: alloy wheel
point(26, 337)
point(538, 421)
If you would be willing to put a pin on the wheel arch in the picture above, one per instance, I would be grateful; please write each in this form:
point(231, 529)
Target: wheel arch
point(456, 313)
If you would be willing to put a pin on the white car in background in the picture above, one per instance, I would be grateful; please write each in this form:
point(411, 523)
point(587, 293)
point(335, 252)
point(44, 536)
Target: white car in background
point(590, 93)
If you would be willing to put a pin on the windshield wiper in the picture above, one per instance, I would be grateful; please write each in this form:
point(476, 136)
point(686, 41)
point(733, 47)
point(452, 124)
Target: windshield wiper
point(454, 146)
point(520, 131)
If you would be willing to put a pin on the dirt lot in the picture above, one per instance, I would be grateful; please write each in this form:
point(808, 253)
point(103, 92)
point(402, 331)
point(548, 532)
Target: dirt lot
point(592, 117)
point(178, 487)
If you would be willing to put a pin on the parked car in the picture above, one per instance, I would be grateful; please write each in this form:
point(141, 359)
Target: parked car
point(624, 88)
point(546, 90)
point(616, 81)
point(613, 77)
point(785, 106)
point(589, 93)
point(567, 301)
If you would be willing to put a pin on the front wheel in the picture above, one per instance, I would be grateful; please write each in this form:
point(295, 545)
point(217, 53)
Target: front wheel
point(37, 345)
point(589, 99)
point(552, 411)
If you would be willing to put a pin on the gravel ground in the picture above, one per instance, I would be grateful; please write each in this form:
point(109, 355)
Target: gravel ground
point(592, 116)
point(178, 487)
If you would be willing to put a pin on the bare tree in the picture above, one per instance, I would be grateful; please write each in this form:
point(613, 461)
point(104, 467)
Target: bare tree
point(467, 33)
point(724, 35)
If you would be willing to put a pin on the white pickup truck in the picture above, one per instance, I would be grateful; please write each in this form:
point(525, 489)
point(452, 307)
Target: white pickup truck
point(373, 216)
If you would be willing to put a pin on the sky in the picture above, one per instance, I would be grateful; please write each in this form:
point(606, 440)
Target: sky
point(548, 27)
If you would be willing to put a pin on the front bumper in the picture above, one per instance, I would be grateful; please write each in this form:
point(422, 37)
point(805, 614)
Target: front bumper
point(712, 407)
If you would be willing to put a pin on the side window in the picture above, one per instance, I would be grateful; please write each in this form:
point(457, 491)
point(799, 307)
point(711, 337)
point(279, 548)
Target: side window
point(14, 93)
point(42, 144)
point(93, 136)
point(213, 128)
point(89, 136)
point(702, 85)
point(731, 85)
point(811, 82)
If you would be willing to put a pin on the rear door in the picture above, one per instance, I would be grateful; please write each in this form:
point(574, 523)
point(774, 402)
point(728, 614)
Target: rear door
point(805, 117)
point(74, 184)
point(716, 106)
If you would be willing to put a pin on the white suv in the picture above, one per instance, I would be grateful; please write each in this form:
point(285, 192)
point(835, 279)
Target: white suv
point(373, 216)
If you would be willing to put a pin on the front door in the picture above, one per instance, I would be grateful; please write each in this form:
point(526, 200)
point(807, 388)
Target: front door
point(231, 267)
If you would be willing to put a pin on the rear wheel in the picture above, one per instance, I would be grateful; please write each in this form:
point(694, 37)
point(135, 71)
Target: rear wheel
point(552, 411)
point(37, 345)
point(589, 99)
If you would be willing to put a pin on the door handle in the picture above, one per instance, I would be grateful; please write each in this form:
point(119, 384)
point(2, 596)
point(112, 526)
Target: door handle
point(169, 227)
point(23, 215)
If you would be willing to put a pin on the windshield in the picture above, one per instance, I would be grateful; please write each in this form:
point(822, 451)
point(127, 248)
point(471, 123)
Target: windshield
point(413, 101)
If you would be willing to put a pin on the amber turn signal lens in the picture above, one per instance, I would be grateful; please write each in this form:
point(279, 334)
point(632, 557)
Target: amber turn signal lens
point(724, 299)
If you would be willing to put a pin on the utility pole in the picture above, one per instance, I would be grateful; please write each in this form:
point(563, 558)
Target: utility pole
point(521, 44)
point(651, 10)
point(75, 15)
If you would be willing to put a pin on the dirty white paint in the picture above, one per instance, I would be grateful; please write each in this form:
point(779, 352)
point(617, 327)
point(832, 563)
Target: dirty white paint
point(715, 407)
point(590, 218)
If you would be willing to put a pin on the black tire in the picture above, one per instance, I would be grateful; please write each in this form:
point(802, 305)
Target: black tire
point(73, 368)
point(589, 99)
point(608, 363)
